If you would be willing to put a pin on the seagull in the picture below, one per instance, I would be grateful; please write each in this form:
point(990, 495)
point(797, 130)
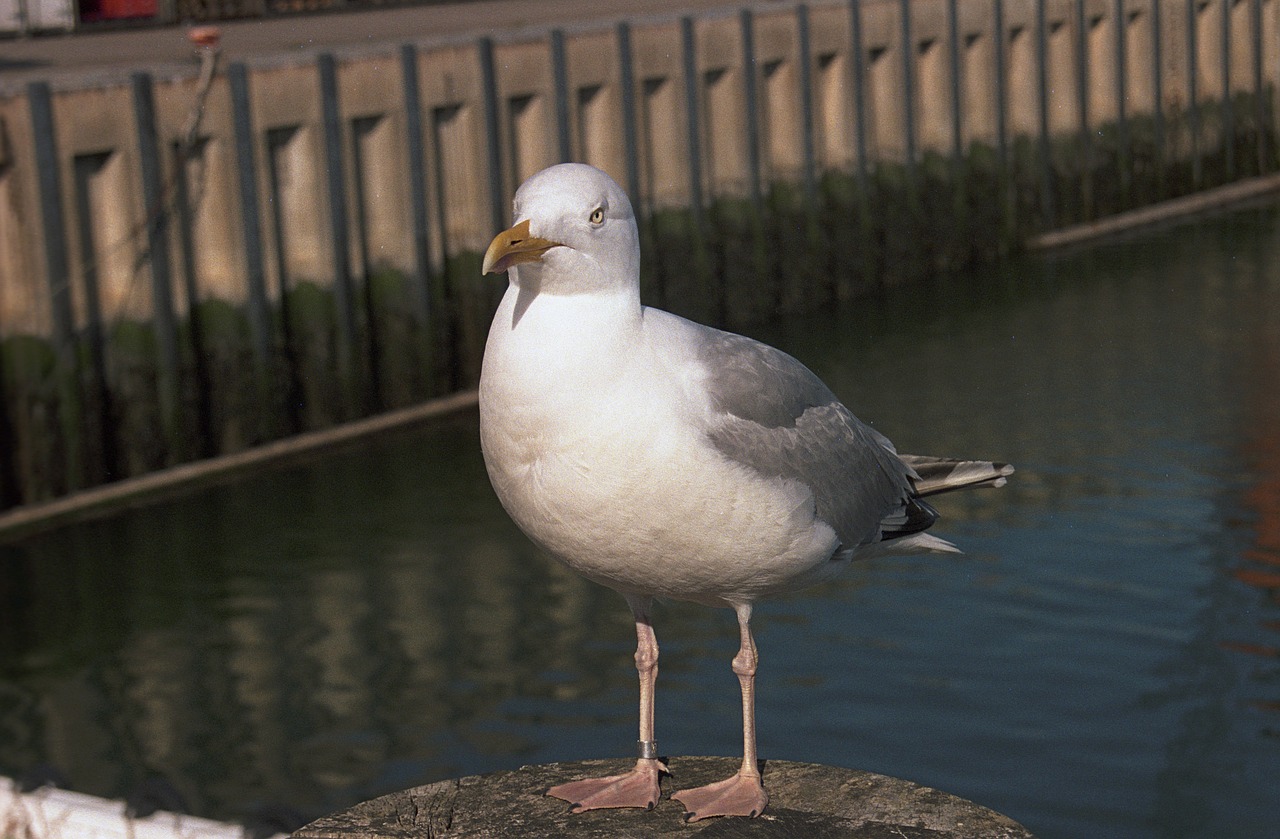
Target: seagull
point(667, 459)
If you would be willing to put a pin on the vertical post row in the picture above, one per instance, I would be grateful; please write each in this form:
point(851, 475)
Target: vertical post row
point(80, 332)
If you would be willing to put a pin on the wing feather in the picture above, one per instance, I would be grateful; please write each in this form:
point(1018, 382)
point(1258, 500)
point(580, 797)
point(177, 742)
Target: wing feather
point(772, 414)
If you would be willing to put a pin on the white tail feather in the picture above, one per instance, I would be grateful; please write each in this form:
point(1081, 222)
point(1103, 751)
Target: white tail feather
point(940, 474)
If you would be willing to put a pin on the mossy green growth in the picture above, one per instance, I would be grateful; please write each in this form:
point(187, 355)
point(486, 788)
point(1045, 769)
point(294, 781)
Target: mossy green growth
point(238, 397)
point(897, 229)
point(471, 298)
point(30, 432)
point(27, 363)
point(397, 340)
point(136, 417)
point(844, 219)
point(992, 225)
point(682, 265)
point(798, 252)
point(314, 369)
point(739, 256)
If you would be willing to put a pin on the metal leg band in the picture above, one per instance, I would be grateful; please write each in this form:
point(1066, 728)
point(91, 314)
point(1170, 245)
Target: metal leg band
point(648, 749)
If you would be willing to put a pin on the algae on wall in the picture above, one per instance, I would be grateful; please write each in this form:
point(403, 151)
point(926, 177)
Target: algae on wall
point(72, 422)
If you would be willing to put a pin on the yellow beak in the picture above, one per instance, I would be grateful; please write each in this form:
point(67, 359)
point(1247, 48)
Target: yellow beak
point(514, 246)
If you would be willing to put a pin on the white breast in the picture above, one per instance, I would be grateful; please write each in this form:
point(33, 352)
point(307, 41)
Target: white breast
point(594, 447)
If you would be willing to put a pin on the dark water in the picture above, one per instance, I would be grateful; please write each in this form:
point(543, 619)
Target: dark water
point(1104, 661)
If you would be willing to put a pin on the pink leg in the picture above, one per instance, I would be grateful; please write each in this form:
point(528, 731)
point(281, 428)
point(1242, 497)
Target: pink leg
point(640, 786)
point(742, 794)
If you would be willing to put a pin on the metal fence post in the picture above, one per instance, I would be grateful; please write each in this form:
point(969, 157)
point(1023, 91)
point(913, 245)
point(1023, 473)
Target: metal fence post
point(58, 275)
point(630, 131)
point(1124, 159)
point(416, 150)
point(168, 367)
point(908, 87)
point(1085, 135)
point(690, 65)
point(1157, 84)
point(859, 70)
point(560, 78)
point(751, 109)
point(1259, 106)
point(1193, 92)
point(1001, 82)
point(259, 306)
point(349, 366)
point(1228, 108)
point(1042, 96)
point(493, 146)
point(806, 107)
point(957, 104)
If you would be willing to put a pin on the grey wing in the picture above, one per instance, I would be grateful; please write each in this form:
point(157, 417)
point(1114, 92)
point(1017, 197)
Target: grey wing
point(773, 414)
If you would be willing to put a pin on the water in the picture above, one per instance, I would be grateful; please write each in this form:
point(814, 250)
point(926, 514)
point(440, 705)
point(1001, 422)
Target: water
point(1102, 662)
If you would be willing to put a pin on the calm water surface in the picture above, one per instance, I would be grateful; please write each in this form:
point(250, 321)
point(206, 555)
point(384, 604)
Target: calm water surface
point(1103, 661)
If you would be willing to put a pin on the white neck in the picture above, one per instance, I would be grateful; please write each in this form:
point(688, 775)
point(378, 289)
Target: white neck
point(542, 344)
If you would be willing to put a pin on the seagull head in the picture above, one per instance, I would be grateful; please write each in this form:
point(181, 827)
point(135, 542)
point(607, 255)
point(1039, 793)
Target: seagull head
point(574, 232)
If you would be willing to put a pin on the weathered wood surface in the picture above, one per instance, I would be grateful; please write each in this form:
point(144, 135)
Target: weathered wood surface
point(807, 800)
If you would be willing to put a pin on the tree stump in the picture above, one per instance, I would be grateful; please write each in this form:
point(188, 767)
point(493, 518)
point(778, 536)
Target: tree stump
point(806, 800)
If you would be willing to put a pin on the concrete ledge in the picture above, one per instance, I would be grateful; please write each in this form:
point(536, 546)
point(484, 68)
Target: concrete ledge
point(25, 520)
point(1210, 199)
point(807, 800)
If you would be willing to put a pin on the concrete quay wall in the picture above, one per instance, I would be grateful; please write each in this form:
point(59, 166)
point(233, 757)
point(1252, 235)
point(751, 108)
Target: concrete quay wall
point(195, 263)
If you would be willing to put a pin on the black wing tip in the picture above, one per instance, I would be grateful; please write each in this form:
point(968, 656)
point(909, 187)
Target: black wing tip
point(916, 516)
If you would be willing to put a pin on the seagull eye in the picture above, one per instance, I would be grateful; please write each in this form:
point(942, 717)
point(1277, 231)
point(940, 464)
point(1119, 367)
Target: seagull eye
point(597, 215)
